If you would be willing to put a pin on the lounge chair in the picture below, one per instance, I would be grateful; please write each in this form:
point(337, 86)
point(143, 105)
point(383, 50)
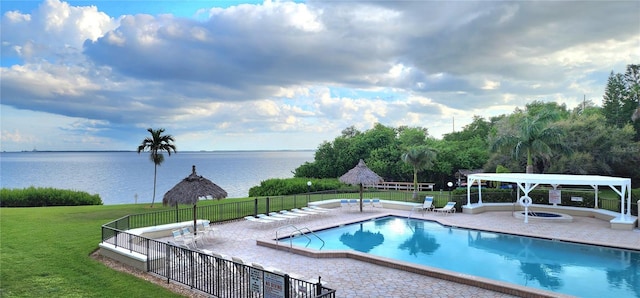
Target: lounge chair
point(280, 215)
point(207, 230)
point(319, 211)
point(191, 237)
point(345, 204)
point(178, 238)
point(237, 266)
point(376, 203)
point(258, 220)
point(427, 205)
point(285, 212)
point(263, 268)
point(238, 260)
point(296, 210)
point(366, 203)
point(447, 209)
point(273, 218)
point(314, 207)
point(354, 203)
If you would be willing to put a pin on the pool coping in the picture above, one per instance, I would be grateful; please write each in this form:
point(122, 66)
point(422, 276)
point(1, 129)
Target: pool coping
point(468, 279)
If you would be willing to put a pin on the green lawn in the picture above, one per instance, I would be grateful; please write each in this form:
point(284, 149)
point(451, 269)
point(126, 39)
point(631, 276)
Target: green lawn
point(45, 252)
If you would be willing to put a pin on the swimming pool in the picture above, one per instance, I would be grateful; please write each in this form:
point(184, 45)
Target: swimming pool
point(562, 267)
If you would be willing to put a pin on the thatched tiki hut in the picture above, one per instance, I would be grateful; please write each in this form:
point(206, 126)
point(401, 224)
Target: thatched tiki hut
point(189, 191)
point(360, 175)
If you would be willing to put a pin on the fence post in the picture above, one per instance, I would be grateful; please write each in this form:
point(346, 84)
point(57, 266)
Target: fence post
point(255, 206)
point(319, 287)
point(287, 286)
point(268, 208)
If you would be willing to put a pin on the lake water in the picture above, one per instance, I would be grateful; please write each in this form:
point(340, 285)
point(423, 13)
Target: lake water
point(127, 177)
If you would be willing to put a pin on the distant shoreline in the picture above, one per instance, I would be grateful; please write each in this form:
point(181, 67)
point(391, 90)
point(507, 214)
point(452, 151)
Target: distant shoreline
point(187, 151)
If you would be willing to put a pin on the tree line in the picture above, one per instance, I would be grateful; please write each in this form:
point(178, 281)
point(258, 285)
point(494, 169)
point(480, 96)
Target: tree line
point(542, 137)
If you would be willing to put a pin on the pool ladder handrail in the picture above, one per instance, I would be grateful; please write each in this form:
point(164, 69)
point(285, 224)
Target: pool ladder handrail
point(299, 231)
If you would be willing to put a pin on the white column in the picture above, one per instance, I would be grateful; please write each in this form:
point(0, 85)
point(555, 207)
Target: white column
point(468, 192)
point(596, 188)
point(629, 200)
point(479, 192)
point(623, 192)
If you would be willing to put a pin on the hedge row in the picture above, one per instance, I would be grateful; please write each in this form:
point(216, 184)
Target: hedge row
point(40, 197)
point(291, 186)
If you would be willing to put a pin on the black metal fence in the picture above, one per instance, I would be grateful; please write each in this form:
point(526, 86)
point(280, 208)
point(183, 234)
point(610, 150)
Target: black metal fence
point(222, 277)
point(213, 275)
point(239, 209)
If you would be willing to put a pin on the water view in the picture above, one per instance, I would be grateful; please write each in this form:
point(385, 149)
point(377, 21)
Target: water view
point(127, 177)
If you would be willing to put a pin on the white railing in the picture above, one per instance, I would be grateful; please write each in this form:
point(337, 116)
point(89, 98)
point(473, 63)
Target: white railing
point(401, 186)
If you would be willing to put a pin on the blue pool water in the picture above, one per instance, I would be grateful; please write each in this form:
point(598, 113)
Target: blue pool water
point(562, 267)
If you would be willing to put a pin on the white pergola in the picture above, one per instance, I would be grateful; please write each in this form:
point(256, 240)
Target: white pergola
point(527, 182)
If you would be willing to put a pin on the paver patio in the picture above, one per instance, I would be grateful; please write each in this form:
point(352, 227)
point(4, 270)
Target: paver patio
point(353, 278)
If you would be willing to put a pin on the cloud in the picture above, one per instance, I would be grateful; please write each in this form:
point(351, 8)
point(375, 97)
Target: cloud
point(295, 74)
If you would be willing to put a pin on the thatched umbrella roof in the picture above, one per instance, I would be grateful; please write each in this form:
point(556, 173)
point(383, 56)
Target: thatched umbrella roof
point(189, 191)
point(191, 188)
point(359, 175)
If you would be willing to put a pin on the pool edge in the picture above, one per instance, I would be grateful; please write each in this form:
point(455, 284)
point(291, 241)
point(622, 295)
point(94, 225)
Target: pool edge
point(468, 279)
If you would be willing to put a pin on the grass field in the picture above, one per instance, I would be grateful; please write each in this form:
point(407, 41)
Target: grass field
point(45, 252)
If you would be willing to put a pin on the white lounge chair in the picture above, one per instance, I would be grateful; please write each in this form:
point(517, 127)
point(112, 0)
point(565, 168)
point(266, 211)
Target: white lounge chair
point(258, 220)
point(296, 210)
point(354, 203)
point(273, 218)
point(376, 203)
point(320, 211)
point(345, 204)
point(314, 207)
point(447, 209)
point(285, 212)
point(191, 237)
point(366, 203)
point(270, 269)
point(280, 215)
point(206, 230)
point(427, 205)
point(178, 238)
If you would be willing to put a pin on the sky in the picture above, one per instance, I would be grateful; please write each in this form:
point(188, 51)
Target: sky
point(282, 75)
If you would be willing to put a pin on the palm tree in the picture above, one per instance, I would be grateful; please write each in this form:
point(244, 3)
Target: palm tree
point(420, 158)
point(533, 135)
point(156, 144)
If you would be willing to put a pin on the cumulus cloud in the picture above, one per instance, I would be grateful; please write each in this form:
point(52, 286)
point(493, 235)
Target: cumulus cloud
point(310, 68)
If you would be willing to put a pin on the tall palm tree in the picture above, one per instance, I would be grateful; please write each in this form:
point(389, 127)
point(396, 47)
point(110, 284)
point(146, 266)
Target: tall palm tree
point(531, 134)
point(420, 158)
point(156, 144)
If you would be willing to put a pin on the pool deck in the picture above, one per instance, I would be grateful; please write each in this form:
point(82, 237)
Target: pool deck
point(354, 278)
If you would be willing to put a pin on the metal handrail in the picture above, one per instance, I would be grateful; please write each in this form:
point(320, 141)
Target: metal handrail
point(300, 231)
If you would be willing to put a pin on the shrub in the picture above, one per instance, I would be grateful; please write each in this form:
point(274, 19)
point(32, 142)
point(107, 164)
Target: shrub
point(290, 186)
point(39, 197)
